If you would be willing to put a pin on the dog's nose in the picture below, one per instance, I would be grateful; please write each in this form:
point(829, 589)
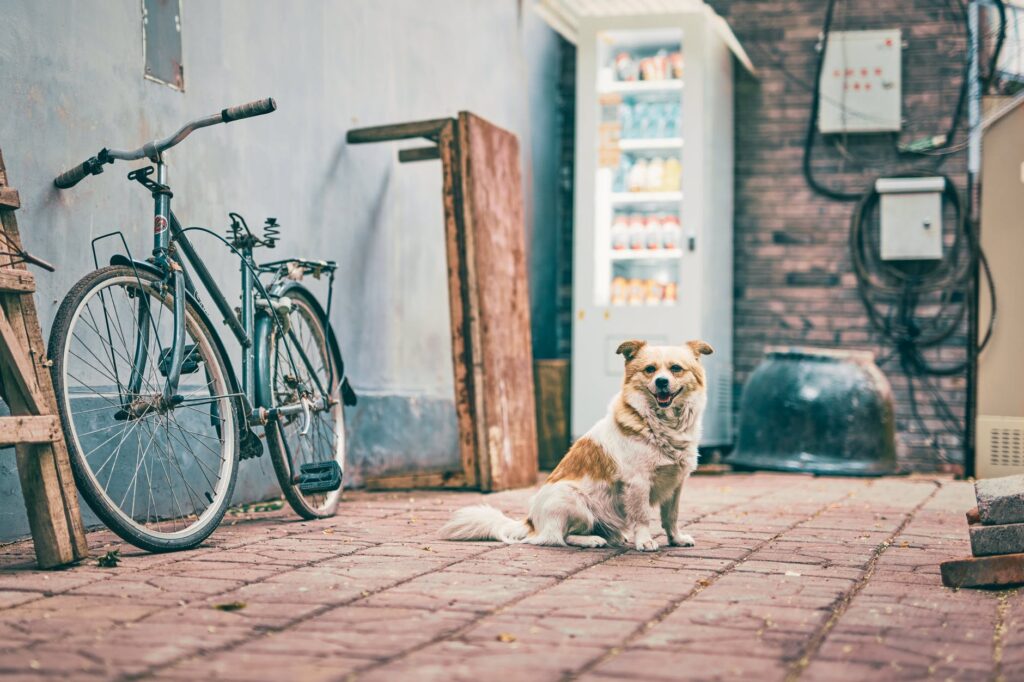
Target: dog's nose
point(661, 382)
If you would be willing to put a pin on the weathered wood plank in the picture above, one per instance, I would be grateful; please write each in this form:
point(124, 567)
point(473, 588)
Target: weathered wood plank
point(9, 198)
point(17, 281)
point(20, 372)
point(39, 429)
point(473, 355)
point(461, 362)
point(499, 304)
point(418, 154)
point(551, 379)
point(398, 131)
point(440, 479)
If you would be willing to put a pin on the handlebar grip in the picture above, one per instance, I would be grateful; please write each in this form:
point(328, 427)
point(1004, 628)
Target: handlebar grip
point(70, 178)
point(257, 108)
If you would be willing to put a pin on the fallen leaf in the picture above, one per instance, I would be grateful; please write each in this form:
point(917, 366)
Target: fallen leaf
point(110, 559)
point(793, 574)
point(230, 606)
point(506, 637)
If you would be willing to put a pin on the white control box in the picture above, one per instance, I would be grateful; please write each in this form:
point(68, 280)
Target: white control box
point(911, 218)
point(861, 87)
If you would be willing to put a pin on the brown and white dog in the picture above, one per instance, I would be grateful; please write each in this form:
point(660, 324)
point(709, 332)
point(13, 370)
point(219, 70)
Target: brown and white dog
point(637, 456)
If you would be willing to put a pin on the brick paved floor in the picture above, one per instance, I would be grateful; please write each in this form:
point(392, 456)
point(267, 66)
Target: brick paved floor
point(792, 577)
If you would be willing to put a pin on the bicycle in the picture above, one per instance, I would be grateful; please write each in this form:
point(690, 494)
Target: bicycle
point(148, 399)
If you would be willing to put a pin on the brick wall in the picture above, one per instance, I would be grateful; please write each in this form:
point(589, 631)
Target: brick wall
point(793, 278)
point(794, 283)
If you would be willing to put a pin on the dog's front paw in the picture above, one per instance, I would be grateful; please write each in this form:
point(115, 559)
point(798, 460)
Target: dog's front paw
point(682, 540)
point(645, 543)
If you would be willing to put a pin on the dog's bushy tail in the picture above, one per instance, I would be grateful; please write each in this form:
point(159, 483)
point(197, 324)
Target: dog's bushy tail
point(484, 522)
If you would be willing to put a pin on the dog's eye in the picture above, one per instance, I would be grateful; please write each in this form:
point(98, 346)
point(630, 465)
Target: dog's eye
point(676, 369)
point(650, 369)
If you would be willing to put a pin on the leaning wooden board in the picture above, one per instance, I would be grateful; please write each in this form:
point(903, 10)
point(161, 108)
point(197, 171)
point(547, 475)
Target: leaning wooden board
point(495, 253)
point(488, 301)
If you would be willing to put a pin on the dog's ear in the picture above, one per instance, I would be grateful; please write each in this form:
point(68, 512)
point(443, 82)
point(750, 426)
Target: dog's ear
point(700, 348)
point(629, 349)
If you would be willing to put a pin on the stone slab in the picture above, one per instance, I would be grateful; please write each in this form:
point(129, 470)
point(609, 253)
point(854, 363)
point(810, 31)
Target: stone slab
point(1002, 539)
point(1006, 570)
point(1000, 500)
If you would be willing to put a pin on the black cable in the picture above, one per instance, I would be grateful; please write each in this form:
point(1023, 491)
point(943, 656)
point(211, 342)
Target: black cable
point(812, 122)
point(893, 291)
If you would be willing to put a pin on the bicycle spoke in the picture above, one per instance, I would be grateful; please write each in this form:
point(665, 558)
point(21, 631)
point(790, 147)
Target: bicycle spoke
point(157, 467)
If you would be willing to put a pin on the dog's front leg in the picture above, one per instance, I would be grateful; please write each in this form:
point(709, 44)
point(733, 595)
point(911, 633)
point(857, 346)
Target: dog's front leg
point(670, 519)
point(637, 504)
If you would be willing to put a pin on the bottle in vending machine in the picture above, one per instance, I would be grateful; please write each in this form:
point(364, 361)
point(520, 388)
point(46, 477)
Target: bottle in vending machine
point(675, 61)
point(637, 232)
point(655, 292)
point(620, 291)
point(637, 292)
point(671, 232)
point(626, 67)
point(655, 175)
point(654, 232)
point(620, 233)
point(671, 175)
point(671, 293)
point(638, 176)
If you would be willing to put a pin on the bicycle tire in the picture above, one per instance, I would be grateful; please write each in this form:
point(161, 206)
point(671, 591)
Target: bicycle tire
point(307, 311)
point(225, 429)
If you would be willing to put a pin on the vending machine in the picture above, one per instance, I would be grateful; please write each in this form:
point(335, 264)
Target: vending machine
point(654, 194)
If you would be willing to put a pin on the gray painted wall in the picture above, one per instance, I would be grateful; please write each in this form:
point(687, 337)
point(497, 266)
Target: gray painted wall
point(71, 82)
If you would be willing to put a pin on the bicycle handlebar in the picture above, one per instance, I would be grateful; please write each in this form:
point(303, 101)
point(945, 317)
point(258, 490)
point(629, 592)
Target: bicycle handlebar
point(257, 108)
point(151, 150)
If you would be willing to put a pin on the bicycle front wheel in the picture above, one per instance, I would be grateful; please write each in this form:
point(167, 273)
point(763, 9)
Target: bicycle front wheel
point(301, 364)
point(159, 473)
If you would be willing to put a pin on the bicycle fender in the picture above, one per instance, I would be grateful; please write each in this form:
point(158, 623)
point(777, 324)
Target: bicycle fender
point(262, 336)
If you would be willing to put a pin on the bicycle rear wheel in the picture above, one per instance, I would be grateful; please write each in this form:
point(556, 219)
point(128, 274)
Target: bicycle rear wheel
point(300, 362)
point(160, 474)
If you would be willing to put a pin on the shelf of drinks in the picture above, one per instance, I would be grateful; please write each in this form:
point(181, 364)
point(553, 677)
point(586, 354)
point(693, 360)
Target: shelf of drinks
point(625, 198)
point(654, 143)
point(646, 254)
point(642, 87)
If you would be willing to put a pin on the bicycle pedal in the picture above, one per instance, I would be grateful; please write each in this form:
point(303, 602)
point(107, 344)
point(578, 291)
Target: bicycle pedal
point(252, 446)
point(319, 477)
point(190, 365)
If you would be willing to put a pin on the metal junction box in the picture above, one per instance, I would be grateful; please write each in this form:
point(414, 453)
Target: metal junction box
point(911, 218)
point(861, 82)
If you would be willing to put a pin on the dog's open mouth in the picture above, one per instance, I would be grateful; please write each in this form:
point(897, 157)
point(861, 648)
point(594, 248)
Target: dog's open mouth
point(664, 398)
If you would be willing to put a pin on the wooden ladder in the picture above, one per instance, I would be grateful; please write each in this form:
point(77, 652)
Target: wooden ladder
point(33, 427)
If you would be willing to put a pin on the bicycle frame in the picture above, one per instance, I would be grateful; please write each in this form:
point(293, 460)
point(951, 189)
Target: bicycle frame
point(168, 234)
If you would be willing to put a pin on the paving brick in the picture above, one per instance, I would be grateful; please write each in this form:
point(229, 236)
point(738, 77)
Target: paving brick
point(1000, 500)
point(1003, 539)
point(391, 606)
point(514, 661)
point(651, 664)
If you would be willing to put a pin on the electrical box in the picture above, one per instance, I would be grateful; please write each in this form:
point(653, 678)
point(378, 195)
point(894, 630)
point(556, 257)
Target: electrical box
point(911, 218)
point(861, 88)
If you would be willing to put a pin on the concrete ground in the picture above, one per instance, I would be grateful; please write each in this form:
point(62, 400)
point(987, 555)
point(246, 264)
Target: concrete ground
point(792, 577)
